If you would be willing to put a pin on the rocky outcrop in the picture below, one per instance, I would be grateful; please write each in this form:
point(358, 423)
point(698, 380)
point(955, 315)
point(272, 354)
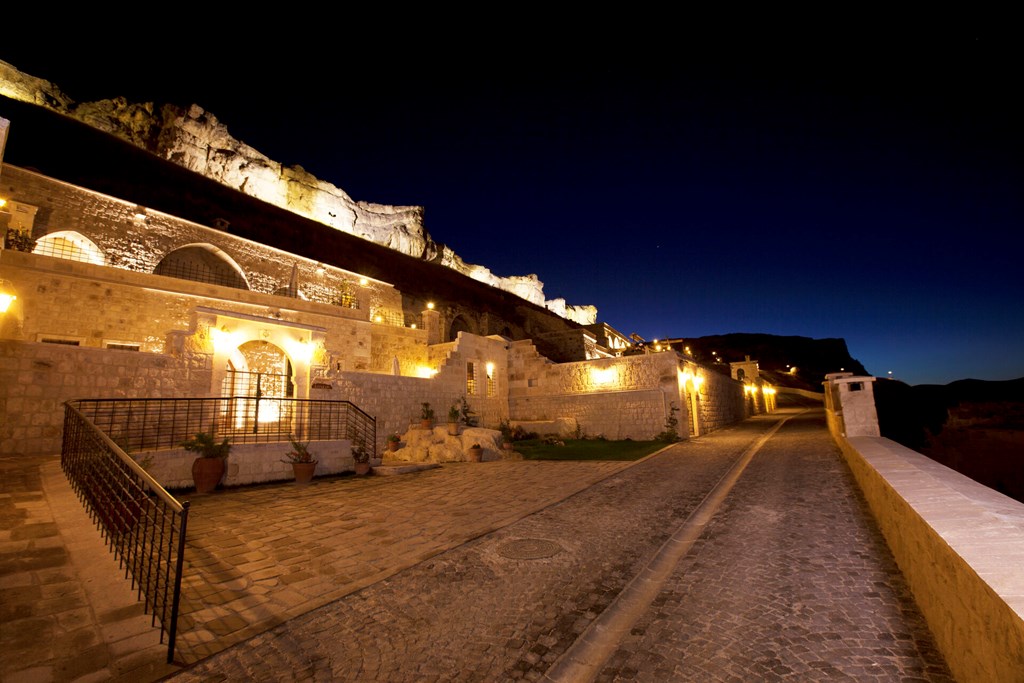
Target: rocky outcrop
point(193, 138)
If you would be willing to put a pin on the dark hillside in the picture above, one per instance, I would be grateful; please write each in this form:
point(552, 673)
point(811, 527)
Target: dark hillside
point(973, 426)
point(812, 358)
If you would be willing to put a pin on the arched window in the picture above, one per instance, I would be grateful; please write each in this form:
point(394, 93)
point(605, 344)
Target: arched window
point(202, 263)
point(70, 245)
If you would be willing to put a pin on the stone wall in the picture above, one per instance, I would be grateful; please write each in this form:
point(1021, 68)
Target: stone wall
point(722, 402)
point(95, 305)
point(136, 238)
point(248, 463)
point(958, 544)
point(395, 401)
point(194, 139)
point(36, 379)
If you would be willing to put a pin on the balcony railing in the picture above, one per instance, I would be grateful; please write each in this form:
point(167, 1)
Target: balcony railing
point(143, 525)
point(146, 424)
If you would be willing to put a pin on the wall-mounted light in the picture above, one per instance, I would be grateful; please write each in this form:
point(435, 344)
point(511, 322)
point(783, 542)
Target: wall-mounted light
point(490, 370)
point(7, 296)
point(603, 375)
point(425, 372)
point(430, 305)
point(363, 282)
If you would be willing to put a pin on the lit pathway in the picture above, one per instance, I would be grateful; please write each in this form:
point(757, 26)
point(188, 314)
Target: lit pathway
point(789, 580)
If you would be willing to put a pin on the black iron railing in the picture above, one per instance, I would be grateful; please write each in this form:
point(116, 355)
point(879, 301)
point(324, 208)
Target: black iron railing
point(145, 424)
point(143, 525)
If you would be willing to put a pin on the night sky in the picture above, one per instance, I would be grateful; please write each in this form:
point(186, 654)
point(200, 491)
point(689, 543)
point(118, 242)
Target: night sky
point(869, 189)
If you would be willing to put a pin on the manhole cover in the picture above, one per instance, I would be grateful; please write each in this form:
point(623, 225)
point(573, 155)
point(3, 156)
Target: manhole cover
point(529, 549)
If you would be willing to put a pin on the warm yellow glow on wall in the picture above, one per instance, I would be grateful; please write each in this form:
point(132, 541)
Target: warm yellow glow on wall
point(425, 372)
point(490, 370)
point(430, 305)
point(5, 301)
point(363, 282)
point(300, 351)
point(224, 341)
point(604, 375)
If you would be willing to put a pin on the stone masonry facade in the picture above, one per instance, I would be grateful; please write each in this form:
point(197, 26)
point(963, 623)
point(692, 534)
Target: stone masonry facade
point(93, 320)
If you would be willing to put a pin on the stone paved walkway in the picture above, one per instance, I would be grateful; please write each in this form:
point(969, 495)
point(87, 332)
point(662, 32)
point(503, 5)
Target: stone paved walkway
point(790, 580)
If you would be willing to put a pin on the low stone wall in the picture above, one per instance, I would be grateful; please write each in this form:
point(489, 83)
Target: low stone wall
point(613, 414)
point(248, 463)
point(960, 546)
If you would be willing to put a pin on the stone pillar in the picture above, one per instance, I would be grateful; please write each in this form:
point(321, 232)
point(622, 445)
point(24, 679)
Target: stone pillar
point(850, 402)
point(432, 324)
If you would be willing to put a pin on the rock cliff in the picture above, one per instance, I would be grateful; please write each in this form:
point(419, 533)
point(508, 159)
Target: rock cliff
point(193, 138)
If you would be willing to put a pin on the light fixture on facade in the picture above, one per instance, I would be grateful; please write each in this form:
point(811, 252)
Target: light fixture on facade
point(7, 296)
point(363, 282)
point(490, 370)
point(430, 305)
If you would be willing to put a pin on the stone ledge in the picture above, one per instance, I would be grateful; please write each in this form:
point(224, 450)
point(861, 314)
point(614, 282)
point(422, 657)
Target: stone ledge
point(960, 546)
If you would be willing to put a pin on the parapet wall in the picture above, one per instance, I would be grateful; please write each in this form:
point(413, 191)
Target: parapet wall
point(960, 546)
point(36, 379)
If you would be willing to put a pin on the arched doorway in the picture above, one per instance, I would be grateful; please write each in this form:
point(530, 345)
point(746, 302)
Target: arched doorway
point(202, 263)
point(260, 384)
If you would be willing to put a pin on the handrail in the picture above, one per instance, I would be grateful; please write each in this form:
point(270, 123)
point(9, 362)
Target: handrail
point(143, 424)
point(144, 525)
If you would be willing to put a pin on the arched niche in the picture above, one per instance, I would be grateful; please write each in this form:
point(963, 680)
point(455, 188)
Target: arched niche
point(70, 245)
point(202, 263)
point(459, 324)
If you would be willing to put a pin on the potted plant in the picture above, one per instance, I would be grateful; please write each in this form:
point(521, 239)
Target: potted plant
point(506, 435)
point(426, 416)
point(208, 468)
point(475, 453)
point(303, 463)
point(453, 420)
point(393, 441)
point(361, 458)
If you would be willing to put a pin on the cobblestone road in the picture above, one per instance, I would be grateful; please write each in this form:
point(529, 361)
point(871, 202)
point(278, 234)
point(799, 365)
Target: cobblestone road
point(791, 580)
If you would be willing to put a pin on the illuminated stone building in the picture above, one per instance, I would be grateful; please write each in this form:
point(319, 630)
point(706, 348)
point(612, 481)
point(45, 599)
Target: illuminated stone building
point(135, 277)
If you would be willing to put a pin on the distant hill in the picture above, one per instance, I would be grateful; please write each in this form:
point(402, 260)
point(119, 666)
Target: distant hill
point(975, 427)
point(798, 362)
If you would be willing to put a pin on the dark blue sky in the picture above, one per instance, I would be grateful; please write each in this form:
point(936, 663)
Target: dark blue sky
point(869, 189)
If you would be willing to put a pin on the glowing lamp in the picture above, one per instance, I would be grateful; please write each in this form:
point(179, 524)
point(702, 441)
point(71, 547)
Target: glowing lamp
point(7, 296)
point(363, 282)
point(430, 305)
point(490, 370)
point(603, 375)
point(425, 372)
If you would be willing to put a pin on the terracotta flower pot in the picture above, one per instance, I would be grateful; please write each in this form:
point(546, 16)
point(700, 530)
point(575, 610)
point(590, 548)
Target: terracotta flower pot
point(474, 454)
point(392, 446)
point(207, 473)
point(303, 471)
point(362, 468)
point(453, 428)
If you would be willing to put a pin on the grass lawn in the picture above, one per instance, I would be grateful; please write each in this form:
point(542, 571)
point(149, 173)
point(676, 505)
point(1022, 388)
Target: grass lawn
point(587, 449)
